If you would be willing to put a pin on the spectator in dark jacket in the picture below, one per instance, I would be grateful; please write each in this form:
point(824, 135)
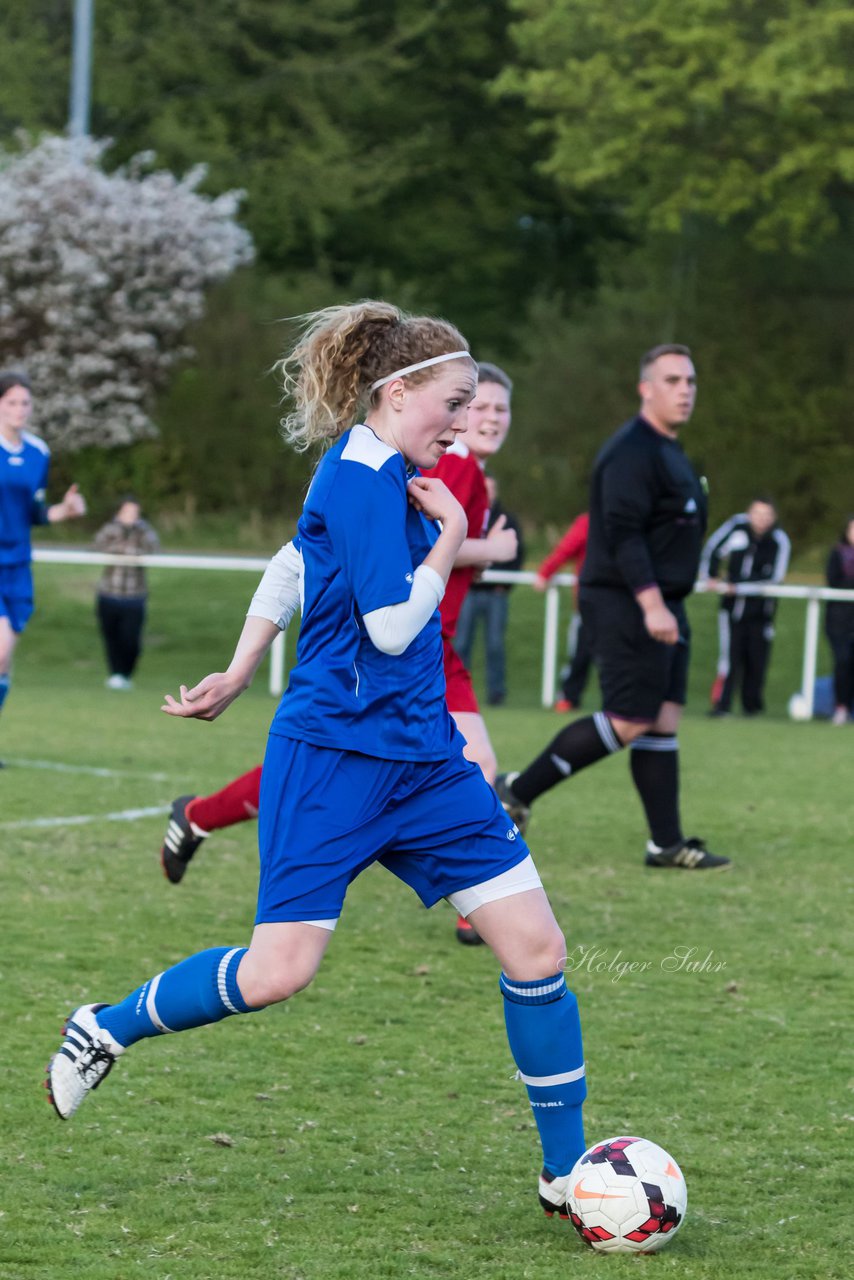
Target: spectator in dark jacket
point(752, 548)
point(839, 624)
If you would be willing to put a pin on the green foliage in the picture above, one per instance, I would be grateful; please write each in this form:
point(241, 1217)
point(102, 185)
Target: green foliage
point(254, 91)
point(219, 448)
point(771, 337)
point(361, 130)
point(372, 1126)
point(741, 113)
point(35, 53)
point(468, 227)
point(378, 160)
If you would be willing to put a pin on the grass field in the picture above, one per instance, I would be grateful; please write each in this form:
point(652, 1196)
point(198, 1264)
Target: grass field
point(372, 1128)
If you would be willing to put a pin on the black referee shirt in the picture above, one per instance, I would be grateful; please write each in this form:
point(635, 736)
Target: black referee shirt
point(647, 514)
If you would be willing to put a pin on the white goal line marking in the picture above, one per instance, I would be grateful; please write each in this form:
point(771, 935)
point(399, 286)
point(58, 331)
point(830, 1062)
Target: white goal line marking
point(82, 819)
point(94, 771)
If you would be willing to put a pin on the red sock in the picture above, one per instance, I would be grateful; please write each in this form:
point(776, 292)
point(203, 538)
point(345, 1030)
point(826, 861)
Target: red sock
point(238, 802)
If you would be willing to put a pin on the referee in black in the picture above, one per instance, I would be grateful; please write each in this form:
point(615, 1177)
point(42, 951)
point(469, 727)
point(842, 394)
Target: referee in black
point(647, 522)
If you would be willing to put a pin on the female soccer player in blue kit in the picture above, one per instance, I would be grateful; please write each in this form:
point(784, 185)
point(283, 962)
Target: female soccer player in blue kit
point(363, 736)
point(24, 465)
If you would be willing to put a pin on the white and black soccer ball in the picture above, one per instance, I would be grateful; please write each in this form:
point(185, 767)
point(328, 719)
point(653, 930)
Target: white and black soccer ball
point(627, 1195)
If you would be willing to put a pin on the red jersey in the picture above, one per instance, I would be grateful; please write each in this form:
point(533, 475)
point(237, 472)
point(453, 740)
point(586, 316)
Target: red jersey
point(463, 475)
point(572, 546)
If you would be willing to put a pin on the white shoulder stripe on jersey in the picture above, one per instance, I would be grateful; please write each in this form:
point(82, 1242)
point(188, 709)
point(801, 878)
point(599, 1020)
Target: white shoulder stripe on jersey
point(363, 446)
point(35, 441)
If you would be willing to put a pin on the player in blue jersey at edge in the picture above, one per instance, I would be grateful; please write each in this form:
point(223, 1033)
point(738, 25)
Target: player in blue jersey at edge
point(24, 464)
point(363, 735)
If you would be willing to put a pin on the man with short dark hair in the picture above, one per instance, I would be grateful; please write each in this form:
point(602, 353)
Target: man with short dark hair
point(647, 521)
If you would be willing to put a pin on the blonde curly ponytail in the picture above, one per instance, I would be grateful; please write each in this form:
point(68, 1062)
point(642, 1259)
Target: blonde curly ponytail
point(341, 352)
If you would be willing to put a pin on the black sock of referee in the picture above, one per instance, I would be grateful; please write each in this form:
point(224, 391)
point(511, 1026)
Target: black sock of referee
point(581, 743)
point(655, 772)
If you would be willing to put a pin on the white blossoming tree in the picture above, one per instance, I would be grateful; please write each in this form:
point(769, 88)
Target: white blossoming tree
point(100, 274)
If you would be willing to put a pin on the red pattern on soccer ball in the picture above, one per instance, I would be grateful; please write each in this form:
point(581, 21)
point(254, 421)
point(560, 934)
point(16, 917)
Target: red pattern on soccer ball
point(614, 1154)
point(589, 1234)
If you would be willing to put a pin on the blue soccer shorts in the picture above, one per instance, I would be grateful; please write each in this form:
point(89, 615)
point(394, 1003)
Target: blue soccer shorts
point(326, 814)
point(16, 595)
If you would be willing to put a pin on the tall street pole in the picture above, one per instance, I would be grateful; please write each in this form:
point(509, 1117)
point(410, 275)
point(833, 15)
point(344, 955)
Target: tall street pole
point(81, 70)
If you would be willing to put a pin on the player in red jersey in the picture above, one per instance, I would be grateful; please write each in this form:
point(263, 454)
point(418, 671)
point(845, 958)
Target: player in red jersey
point(462, 470)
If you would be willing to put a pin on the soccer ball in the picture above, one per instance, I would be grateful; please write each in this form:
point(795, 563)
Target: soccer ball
point(798, 709)
point(626, 1195)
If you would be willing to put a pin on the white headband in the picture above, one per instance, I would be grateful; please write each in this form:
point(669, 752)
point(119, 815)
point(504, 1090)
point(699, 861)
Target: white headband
point(422, 364)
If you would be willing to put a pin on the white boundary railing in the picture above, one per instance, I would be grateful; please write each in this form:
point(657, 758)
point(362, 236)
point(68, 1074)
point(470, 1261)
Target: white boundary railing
point(254, 564)
point(812, 595)
point(551, 622)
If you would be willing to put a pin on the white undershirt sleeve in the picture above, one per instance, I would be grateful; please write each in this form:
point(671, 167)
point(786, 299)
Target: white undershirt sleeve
point(393, 628)
point(278, 596)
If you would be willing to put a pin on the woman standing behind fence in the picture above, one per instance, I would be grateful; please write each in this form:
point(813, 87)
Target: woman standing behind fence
point(364, 763)
point(122, 591)
point(839, 624)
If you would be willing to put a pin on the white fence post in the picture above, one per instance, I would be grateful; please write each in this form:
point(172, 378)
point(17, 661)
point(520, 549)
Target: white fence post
point(547, 690)
point(810, 655)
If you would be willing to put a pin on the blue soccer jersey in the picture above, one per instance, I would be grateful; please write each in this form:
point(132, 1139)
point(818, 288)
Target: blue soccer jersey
point(361, 542)
point(23, 480)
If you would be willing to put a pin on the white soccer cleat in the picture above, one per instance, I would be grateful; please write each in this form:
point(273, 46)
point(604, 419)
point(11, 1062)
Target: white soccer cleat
point(554, 1190)
point(85, 1057)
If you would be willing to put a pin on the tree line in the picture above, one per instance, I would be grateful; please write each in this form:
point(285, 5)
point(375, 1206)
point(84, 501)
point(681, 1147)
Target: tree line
point(570, 181)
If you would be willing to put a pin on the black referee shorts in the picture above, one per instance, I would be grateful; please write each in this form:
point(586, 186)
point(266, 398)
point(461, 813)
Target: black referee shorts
point(637, 673)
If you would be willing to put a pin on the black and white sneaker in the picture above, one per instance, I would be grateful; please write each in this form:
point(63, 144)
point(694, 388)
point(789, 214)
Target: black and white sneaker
point(180, 841)
point(687, 855)
point(553, 1194)
point(85, 1058)
point(512, 805)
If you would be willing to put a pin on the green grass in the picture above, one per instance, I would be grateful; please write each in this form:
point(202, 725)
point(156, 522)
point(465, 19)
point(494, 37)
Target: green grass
point(372, 1128)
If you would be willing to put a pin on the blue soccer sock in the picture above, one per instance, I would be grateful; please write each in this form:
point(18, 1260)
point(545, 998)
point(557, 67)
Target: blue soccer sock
point(544, 1031)
point(5, 681)
point(198, 991)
